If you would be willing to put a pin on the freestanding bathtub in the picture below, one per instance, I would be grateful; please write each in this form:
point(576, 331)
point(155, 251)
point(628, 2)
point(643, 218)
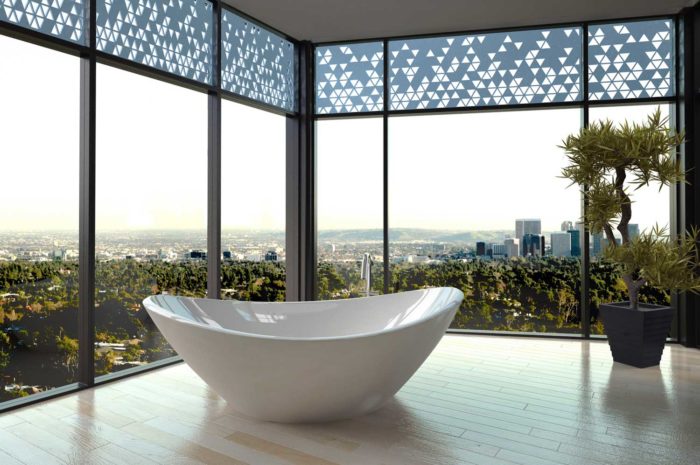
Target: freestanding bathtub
point(306, 361)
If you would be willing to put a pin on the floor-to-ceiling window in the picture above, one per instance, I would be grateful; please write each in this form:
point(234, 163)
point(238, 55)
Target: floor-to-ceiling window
point(154, 86)
point(152, 170)
point(349, 209)
point(252, 203)
point(151, 206)
point(349, 170)
point(39, 127)
point(477, 203)
point(473, 194)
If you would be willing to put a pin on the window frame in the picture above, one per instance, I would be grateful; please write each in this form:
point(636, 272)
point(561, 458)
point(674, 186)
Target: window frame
point(300, 160)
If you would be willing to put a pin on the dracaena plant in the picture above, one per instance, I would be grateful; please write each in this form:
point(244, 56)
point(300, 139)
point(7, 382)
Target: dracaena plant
point(613, 161)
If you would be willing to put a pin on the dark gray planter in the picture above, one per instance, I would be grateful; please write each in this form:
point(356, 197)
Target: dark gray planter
point(636, 337)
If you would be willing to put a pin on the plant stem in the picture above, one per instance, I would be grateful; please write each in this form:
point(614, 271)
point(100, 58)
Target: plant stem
point(625, 204)
point(633, 287)
point(609, 235)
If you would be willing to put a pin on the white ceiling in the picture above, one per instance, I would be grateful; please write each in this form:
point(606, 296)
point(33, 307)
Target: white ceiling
point(331, 20)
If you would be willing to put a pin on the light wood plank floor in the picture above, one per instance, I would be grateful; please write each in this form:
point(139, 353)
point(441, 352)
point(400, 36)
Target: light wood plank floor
point(477, 400)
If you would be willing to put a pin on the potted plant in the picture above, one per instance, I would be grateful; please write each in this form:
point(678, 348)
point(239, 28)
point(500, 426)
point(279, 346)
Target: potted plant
point(608, 159)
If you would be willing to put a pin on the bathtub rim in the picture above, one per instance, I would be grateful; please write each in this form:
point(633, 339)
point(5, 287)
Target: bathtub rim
point(152, 306)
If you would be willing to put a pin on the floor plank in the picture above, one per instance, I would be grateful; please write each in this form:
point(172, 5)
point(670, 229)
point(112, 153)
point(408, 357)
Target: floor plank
point(478, 400)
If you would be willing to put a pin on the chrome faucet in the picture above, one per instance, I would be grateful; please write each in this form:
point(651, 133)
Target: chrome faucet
point(366, 271)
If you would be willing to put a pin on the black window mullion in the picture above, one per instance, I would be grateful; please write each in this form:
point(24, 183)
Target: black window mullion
point(86, 233)
point(214, 166)
point(385, 116)
point(585, 236)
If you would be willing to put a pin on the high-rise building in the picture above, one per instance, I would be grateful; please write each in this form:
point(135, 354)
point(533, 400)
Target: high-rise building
point(197, 255)
point(597, 243)
point(567, 226)
point(499, 250)
point(533, 245)
point(633, 229)
point(575, 242)
point(527, 226)
point(512, 247)
point(480, 249)
point(561, 244)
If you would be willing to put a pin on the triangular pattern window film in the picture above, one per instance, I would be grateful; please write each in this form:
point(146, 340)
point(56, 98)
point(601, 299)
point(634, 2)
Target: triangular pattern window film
point(175, 36)
point(350, 78)
point(257, 63)
point(64, 19)
point(630, 60)
point(503, 68)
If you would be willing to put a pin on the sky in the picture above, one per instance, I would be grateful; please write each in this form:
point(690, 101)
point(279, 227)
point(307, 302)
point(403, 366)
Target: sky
point(469, 171)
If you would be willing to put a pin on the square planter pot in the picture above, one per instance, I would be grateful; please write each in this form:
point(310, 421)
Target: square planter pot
point(636, 337)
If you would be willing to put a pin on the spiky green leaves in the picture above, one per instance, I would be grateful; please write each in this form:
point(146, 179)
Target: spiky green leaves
point(645, 151)
point(603, 156)
point(660, 261)
point(606, 158)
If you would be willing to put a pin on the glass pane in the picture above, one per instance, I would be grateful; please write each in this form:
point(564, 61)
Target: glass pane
point(350, 78)
point(176, 37)
point(501, 68)
point(64, 19)
point(349, 167)
point(650, 207)
point(151, 210)
point(257, 63)
point(253, 204)
point(39, 227)
point(630, 60)
point(487, 214)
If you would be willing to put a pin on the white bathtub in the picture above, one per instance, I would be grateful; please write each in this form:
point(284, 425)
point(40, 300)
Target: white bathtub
point(306, 361)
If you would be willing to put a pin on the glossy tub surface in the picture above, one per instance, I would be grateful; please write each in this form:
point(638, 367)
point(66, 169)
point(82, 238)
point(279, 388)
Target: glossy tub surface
point(306, 361)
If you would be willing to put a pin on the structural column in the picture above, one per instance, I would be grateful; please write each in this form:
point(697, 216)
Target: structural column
point(689, 121)
point(86, 232)
point(301, 186)
point(585, 241)
point(214, 167)
point(214, 196)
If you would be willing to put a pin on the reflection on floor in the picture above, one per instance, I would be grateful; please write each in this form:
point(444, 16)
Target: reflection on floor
point(477, 400)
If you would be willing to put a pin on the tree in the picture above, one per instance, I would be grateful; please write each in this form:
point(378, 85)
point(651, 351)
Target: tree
point(69, 348)
point(607, 159)
point(4, 354)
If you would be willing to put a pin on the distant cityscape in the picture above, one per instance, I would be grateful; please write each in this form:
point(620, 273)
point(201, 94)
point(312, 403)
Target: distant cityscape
point(424, 246)
point(530, 242)
point(406, 245)
point(168, 246)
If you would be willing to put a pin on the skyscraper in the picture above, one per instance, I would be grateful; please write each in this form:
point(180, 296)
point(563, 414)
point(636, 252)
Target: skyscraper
point(575, 242)
point(499, 250)
point(512, 247)
point(597, 243)
point(633, 230)
point(527, 226)
point(542, 245)
point(533, 245)
point(561, 244)
point(480, 249)
point(567, 225)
